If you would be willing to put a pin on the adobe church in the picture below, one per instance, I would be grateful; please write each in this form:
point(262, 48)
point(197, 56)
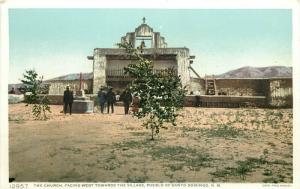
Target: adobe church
point(109, 63)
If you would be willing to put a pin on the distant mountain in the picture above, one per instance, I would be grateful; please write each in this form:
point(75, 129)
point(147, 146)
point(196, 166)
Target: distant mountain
point(75, 76)
point(258, 72)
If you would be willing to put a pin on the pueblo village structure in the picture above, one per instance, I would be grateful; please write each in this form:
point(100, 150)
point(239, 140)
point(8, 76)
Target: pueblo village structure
point(108, 64)
point(208, 91)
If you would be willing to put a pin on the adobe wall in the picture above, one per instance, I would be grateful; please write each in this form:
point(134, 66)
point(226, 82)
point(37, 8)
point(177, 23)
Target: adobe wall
point(53, 99)
point(58, 99)
point(102, 61)
point(272, 93)
point(59, 86)
point(157, 64)
point(280, 93)
point(99, 76)
point(242, 87)
point(277, 93)
point(224, 101)
point(183, 63)
point(197, 86)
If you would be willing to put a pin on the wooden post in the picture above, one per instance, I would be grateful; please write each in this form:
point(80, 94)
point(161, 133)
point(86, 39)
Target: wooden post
point(80, 80)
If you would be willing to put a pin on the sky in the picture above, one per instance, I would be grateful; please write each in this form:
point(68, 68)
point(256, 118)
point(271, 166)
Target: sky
point(57, 42)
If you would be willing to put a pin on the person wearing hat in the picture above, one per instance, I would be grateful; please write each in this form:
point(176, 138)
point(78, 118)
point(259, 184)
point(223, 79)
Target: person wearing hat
point(111, 99)
point(68, 100)
point(126, 97)
point(102, 98)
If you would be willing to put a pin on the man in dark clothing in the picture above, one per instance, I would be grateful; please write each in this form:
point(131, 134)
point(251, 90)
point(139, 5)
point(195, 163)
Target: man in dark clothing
point(68, 100)
point(102, 98)
point(127, 99)
point(12, 91)
point(111, 99)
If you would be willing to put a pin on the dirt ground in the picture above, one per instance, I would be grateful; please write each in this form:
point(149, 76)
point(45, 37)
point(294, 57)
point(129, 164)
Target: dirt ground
point(207, 145)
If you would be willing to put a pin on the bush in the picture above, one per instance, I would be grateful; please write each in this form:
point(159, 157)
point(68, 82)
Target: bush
point(33, 85)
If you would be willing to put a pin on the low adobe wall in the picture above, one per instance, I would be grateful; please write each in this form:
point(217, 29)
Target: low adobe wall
point(269, 93)
point(280, 93)
point(242, 87)
point(57, 87)
point(197, 86)
point(213, 101)
point(54, 99)
point(225, 101)
point(58, 99)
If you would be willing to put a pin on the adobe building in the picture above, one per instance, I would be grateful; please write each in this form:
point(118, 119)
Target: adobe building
point(109, 63)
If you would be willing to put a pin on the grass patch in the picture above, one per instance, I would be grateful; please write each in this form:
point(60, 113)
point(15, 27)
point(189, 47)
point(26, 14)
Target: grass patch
point(242, 169)
point(280, 162)
point(271, 180)
point(72, 174)
point(74, 150)
point(176, 167)
point(271, 144)
point(111, 162)
point(16, 118)
point(223, 130)
point(91, 164)
point(135, 144)
point(111, 166)
point(185, 156)
point(130, 144)
point(169, 174)
point(139, 133)
point(111, 157)
point(256, 161)
point(191, 129)
point(268, 172)
point(221, 173)
point(136, 179)
point(52, 154)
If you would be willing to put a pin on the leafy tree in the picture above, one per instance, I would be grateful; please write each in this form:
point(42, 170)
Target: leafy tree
point(33, 85)
point(160, 94)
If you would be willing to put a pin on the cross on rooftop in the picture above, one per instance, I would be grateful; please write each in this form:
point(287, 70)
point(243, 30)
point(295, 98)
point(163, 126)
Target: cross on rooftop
point(144, 20)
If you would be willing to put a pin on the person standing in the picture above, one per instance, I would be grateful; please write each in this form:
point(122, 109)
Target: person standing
point(12, 91)
point(135, 103)
point(126, 97)
point(111, 99)
point(68, 100)
point(102, 99)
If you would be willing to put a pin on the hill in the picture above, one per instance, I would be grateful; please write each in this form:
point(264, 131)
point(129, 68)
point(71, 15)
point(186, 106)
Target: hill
point(258, 72)
point(74, 76)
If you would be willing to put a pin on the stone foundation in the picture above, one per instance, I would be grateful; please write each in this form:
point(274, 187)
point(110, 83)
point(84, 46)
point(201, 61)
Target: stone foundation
point(83, 106)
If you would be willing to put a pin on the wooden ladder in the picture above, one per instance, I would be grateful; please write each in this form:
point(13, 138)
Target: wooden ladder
point(210, 86)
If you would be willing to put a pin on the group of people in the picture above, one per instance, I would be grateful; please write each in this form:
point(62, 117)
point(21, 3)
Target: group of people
point(109, 98)
point(105, 97)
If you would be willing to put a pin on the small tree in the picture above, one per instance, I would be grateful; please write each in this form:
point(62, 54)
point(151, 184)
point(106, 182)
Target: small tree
point(33, 85)
point(160, 94)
